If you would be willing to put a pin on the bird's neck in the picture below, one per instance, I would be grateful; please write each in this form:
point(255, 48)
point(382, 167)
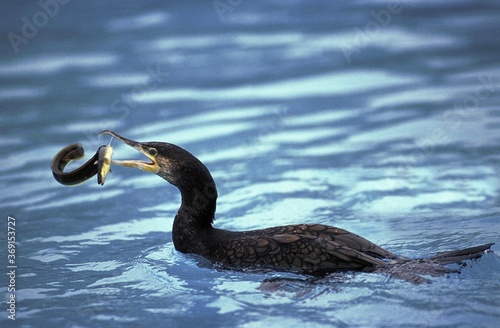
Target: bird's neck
point(193, 222)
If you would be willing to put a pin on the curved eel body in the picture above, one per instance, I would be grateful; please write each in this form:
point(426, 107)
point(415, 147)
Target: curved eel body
point(97, 164)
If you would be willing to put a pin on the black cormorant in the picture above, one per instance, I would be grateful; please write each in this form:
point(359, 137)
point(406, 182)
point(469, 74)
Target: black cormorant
point(305, 248)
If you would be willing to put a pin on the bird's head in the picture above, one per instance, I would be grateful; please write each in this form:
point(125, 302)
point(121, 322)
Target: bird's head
point(171, 162)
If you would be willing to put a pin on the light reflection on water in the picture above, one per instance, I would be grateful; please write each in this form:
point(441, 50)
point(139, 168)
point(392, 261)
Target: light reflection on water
point(393, 136)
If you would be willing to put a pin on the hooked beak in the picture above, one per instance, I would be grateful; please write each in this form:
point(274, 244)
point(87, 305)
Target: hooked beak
point(152, 166)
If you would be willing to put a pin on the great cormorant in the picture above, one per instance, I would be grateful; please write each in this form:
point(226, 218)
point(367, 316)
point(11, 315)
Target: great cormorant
point(305, 248)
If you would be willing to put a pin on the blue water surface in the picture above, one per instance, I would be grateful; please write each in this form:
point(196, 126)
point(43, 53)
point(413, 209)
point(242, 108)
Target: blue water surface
point(379, 117)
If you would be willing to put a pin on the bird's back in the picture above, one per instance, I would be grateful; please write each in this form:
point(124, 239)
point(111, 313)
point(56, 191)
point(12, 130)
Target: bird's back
point(308, 248)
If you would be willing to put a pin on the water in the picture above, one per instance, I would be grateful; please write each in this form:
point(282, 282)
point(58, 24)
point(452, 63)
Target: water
point(381, 120)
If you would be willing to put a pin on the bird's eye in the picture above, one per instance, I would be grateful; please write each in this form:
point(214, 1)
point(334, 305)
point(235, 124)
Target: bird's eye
point(153, 151)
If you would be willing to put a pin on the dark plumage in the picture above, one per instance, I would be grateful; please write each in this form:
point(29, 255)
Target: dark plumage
point(306, 248)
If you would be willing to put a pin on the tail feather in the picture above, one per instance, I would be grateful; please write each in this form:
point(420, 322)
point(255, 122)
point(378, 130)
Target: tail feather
point(412, 269)
point(461, 255)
